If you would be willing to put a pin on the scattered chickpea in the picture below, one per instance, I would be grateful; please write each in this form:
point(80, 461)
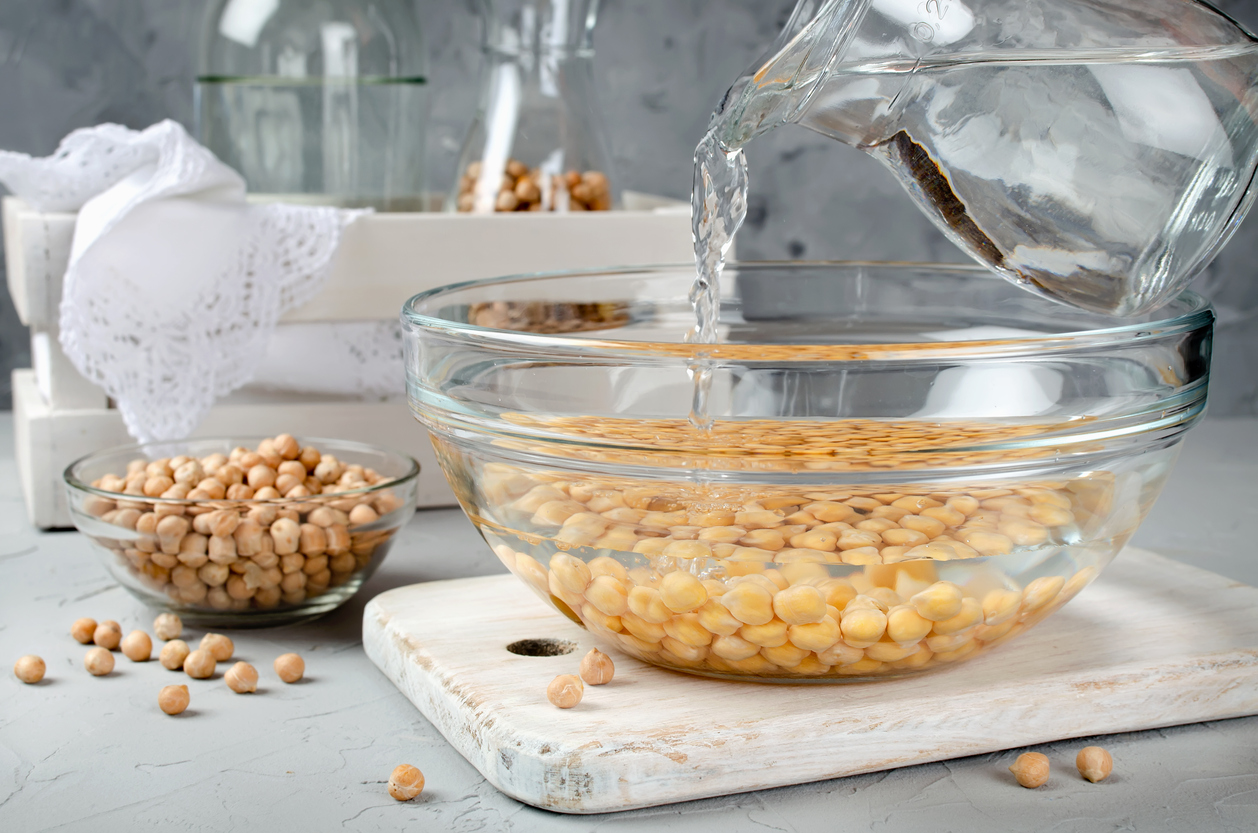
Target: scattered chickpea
point(98, 661)
point(1094, 763)
point(565, 691)
point(242, 678)
point(173, 699)
point(108, 634)
point(1031, 770)
point(83, 630)
point(199, 665)
point(29, 669)
point(220, 647)
point(597, 668)
point(167, 626)
point(173, 654)
point(290, 667)
point(406, 782)
point(138, 647)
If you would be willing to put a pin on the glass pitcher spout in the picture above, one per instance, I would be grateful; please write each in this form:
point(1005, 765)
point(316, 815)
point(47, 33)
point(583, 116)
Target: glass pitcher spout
point(1099, 152)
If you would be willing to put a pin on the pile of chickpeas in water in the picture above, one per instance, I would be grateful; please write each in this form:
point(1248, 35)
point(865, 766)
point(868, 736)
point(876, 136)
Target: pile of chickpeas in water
point(809, 584)
point(210, 543)
point(525, 189)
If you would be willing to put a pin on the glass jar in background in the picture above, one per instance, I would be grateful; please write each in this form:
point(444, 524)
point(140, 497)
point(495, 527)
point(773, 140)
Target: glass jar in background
point(538, 142)
point(317, 100)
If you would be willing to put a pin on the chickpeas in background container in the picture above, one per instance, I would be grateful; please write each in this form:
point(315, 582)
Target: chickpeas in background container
point(538, 142)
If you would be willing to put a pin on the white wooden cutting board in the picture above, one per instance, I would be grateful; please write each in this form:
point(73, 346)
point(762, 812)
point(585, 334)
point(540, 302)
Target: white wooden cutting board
point(1151, 643)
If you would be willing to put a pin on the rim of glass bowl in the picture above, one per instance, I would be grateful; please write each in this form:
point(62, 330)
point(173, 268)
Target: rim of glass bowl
point(1198, 314)
point(71, 478)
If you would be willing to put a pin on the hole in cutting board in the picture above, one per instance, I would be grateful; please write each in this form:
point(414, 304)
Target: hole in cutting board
point(542, 647)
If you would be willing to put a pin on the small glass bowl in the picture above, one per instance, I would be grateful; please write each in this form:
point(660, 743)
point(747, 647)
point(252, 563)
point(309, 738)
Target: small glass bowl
point(907, 465)
point(243, 571)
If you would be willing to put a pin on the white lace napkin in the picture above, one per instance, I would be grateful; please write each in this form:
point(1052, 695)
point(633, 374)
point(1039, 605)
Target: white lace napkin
point(175, 282)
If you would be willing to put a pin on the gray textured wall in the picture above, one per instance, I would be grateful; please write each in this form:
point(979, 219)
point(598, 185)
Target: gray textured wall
point(661, 67)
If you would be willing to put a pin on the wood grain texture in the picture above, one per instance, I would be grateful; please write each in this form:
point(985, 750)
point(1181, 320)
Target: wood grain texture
point(1151, 643)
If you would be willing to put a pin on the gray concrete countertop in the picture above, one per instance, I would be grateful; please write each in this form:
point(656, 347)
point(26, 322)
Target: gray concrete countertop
point(78, 753)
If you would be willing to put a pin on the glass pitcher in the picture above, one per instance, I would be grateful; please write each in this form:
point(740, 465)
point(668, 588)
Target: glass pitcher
point(538, 142)
point(317, 100)
point(1099, 152)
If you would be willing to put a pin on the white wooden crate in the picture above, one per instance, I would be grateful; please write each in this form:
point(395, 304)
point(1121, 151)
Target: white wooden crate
point(382, 261)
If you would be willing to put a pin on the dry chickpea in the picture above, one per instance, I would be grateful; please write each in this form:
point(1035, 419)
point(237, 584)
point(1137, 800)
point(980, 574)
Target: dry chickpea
point(30, 669)
point(405, 782)
point(286, 534)
point(597, 668)
point(173, 699)
point(363, 514)
point(220, 647)
point(1031, 770)
point(290, 667)
point(137, 647)
point(260, 476)
point(199, 665)
point(98, 661)
point(242, 678)
point(83, 630)
point(565, 690)
point(173, 654)
point(286, 446)
point(1094, 763)
point(107, 634)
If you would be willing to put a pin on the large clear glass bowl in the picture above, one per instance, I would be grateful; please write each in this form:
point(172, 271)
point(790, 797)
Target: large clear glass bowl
point(255, 575)
point(907, 465)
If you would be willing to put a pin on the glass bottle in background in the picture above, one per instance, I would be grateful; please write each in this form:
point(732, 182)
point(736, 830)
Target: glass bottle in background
point(317, 100)
point(538, 142)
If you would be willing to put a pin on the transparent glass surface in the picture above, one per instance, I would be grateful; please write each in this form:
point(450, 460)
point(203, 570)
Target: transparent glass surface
point(538, 142)
point(917, 467)
point(1095, 152)
point(317, 101)
point(224, 562)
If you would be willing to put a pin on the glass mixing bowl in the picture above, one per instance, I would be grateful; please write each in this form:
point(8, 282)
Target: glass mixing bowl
point(906, 465)
point(232, 562)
